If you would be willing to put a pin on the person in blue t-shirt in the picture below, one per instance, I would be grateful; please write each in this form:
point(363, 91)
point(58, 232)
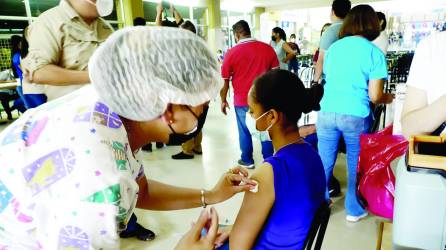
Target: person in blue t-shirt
point(291, 183)
point(355, 71)
point(20, 51)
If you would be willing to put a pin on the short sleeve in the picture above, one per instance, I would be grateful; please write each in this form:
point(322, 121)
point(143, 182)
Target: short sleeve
point(379, 67)
point(420, 67)
point(226, 68)
point(328, 38)
point(44, 46)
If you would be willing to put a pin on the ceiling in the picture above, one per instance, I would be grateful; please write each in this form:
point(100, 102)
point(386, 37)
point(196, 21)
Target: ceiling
point(271, 5)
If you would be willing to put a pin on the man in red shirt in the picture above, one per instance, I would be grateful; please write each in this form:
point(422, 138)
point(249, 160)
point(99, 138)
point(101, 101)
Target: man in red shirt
point(242, 65)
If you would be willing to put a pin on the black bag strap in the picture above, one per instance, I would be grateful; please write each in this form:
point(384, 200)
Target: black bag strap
point(440, 129)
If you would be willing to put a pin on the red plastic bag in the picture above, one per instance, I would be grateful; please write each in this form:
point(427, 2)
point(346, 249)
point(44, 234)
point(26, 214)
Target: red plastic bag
point(375, 179)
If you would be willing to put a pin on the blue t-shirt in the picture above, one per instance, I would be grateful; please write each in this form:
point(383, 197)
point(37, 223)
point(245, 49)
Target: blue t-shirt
point(16, 64)
point(299, 187)
point(349, 64)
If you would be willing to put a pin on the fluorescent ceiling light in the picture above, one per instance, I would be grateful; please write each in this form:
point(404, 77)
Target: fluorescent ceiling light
point(237, 5)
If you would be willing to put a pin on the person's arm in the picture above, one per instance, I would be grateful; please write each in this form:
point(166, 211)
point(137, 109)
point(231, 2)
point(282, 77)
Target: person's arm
point(223, 95)
point(376, 94)
point(54, 75)
point(290, 52)
point(159, 14)
point(226, 73)
point(418, 117)
point(154, 195)
point(176, 14)
point(319, 66)
point(254, 210)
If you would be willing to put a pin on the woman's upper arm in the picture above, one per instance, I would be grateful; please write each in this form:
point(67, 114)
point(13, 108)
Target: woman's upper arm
point(376, 90)
point(254, 210)
point(287, 48)
point(415, 99)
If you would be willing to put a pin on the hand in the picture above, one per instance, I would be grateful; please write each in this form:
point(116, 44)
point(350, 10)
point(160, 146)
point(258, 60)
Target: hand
point(26, 75)
point(193, 240)
point(285, 60)
point(230, 184)
point(159, 8)
point(224, 106)
point(389, 98)
point(222, 236)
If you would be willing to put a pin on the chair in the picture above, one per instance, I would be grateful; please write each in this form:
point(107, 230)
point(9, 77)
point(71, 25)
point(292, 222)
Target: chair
point(318, 227)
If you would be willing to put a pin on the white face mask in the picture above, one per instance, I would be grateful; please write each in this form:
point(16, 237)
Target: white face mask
point(251, 123)
point(104, 7)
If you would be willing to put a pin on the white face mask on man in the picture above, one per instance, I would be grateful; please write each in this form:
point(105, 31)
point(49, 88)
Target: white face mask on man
point(104, 7)
point(251, 123)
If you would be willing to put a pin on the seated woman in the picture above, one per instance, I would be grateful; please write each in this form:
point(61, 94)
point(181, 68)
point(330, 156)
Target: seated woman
point(423, 110)
point(291, 183)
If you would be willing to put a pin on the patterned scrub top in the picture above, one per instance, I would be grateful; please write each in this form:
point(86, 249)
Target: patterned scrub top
point(67, 176)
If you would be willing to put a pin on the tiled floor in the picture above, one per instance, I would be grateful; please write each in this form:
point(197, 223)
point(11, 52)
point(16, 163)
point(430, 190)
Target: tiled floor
point(220, 146)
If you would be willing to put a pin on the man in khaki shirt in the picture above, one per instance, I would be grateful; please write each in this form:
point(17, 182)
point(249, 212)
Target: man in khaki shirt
point(61, 41)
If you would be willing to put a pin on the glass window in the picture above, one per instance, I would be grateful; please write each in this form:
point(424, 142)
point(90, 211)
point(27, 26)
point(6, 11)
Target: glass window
point(12, 8)
point(224, 18)
point(200, 15)
point(150, 11)
point(40, 6)
point(235, 17)
point(202, 31)
point(12, 26)
point(183, 10)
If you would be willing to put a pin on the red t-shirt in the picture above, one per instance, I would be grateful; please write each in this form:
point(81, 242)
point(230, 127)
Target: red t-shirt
point(244, 63)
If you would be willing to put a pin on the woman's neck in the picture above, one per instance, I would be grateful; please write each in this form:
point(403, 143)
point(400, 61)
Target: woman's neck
point(285, 136)
point(142, 133)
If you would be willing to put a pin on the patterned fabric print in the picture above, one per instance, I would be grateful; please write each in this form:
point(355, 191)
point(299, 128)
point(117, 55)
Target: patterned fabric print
point(101, 115)
point(71, 238)
point(20, 215)
point(5, 197)
point(119, 153)
point(49, 169)
point(110, 195)
point(29, 132)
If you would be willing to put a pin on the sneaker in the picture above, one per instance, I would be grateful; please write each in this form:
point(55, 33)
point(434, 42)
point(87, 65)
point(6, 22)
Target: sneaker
point(334, 187)
point(351, 218)
point(145, 234)
point(246, 165)
point(182, 156)
point(139, 232)
point(147, 147)
point(159, 145)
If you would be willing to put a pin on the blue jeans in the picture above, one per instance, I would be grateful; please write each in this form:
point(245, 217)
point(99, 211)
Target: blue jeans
point(294, 66)
point(330, 128)
point(245, 140)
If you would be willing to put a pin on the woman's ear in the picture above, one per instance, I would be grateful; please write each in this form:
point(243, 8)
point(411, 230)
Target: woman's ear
point(274, 117)
point(168, 114)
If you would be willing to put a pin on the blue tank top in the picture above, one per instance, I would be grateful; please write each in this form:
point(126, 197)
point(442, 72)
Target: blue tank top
point(299, 185)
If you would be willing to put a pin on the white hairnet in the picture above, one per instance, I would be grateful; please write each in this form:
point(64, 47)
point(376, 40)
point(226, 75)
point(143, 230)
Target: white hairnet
point(137, 71)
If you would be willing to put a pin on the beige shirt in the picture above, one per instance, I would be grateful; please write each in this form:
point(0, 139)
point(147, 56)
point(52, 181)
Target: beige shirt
point(61, 37)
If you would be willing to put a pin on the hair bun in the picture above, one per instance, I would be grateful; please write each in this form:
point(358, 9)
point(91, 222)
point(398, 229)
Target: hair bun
point(314, 95)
